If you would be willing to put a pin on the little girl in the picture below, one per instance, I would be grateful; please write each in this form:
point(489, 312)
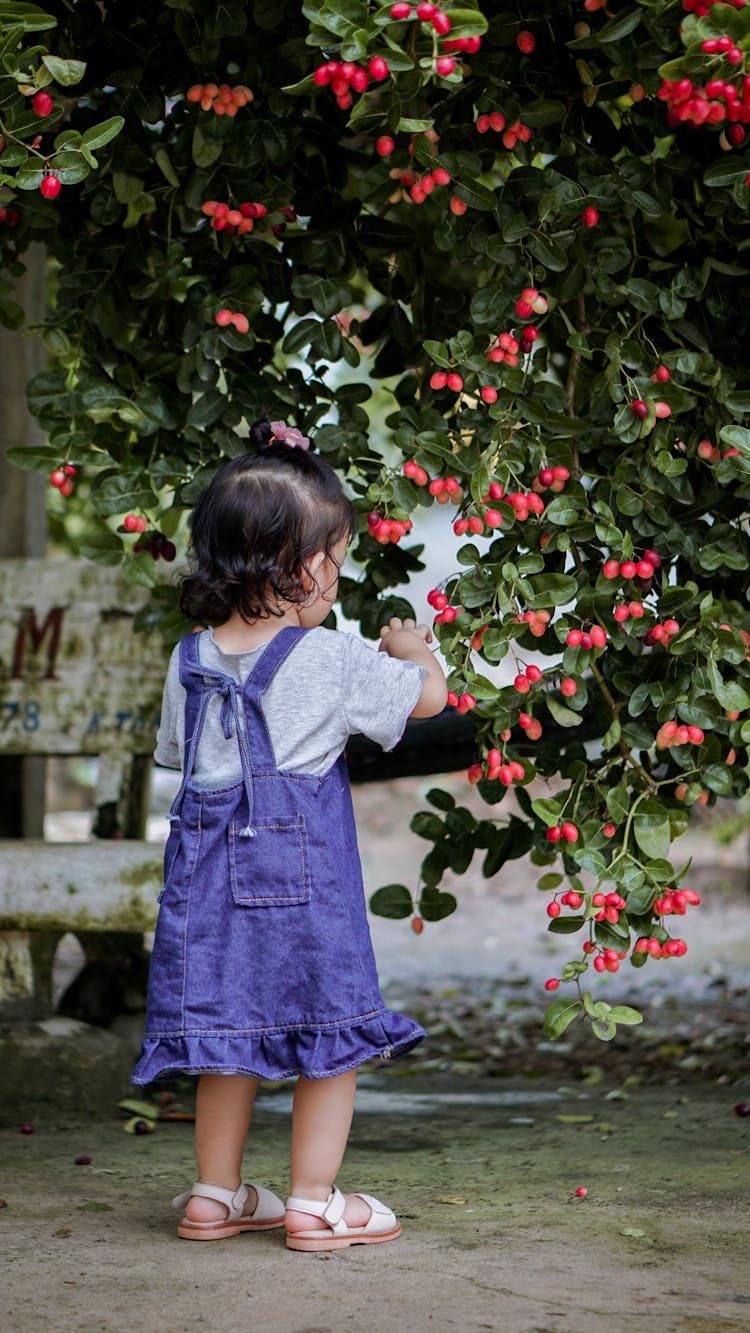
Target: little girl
point(263, 964)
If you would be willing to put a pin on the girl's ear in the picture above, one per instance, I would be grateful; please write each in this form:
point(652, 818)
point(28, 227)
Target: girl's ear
point(310, 571)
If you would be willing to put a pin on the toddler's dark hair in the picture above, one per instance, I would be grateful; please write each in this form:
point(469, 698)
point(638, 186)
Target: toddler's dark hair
point(256, 526)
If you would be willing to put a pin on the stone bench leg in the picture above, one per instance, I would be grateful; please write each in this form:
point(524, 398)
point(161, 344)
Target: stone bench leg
point(26, 959)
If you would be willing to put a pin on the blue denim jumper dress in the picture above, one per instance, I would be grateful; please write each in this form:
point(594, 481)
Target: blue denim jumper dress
point(262, 963)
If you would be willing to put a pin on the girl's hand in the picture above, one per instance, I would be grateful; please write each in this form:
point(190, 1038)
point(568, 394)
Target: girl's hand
point(394, 624)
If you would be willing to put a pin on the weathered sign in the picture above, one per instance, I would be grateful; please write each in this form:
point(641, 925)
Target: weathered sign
point(74, 677)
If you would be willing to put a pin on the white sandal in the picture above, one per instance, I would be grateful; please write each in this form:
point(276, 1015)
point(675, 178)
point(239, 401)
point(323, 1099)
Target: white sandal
point(267, 1214)
point(381, 1225)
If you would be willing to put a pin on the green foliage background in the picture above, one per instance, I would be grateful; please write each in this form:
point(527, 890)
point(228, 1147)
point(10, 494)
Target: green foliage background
point(147, 395)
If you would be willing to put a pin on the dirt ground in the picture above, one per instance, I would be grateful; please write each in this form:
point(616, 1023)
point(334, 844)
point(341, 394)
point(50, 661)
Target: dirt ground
point(484, 1179)
point(478, 1140)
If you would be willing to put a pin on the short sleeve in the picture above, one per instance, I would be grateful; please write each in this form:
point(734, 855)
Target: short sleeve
point(169, 737)
point(379, 692)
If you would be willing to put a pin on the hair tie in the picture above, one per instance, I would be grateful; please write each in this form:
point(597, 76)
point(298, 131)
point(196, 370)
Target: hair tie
point(288, 435)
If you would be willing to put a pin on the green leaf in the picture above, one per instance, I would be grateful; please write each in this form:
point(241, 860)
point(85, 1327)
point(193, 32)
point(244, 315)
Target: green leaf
point(434, 905)
point(64, 72)
point(393, 901)
point(620, 26)
point(622, 1013)
point(565, 717)
point(547, 810)
point(651, 828)
point(553, 590)
point(427, 826)
point(559, 1016)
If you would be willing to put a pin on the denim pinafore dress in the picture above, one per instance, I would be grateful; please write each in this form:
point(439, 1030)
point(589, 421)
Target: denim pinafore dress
point(262, 962)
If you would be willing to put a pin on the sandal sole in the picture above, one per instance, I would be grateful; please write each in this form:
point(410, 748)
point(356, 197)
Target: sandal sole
point(186, 1232)
point(301, 1242)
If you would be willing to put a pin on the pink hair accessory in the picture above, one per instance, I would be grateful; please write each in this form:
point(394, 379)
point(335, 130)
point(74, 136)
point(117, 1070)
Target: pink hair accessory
point(289, 435)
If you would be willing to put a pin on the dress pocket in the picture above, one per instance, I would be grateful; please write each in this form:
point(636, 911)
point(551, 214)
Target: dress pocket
point(271, 869)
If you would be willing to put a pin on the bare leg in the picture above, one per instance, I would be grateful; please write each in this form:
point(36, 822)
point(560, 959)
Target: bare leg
point(320, 1128)
point(223, 1107)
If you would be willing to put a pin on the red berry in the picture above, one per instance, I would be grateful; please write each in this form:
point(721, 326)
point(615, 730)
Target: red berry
point(384, 145)
point(42, 104)
point(425, 10)
point(223, 317)
point(522, 684)
point(455, 383)
point(526, 41)
point(611, 569)
point(628, 569)
point(441, 176)
point(590, 217)
point(546, 476)
point(438, 380)
point(552, 984)
point(534, 674)
point(130, 523)
point(27, 1128)
point(241, 323)
point(444, 66)
point(644, 569)
point(50, 186)
point(417, 925)
point(441, 23)
point(598, 636)
point(378, 68)
point(581, 1192)
point(57, 478)
point(400, 10)
point(489, 394)
point(574, 638)
point(554, 833)
point(568, 687)
point(570, 832)
point(639, 409)
point(457, 206)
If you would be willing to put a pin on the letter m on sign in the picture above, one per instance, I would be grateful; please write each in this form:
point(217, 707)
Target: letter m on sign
point(29, 630)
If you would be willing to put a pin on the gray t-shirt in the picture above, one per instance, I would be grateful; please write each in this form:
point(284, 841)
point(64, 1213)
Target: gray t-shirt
point(330, 687)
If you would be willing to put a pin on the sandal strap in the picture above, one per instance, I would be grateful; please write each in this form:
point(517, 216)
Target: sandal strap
point(233, 1200)
point(330, 1209)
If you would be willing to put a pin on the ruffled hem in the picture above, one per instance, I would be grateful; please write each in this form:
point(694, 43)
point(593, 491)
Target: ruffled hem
point(321, 1051)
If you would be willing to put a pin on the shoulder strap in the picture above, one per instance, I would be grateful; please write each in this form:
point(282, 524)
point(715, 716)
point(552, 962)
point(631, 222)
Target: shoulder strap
point(259, 737)
point(271, 659)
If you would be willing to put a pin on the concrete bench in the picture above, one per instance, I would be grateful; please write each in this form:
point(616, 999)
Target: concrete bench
point(76, 680)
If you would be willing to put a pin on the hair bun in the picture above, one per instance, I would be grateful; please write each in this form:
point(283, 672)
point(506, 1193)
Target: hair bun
point(260, 432)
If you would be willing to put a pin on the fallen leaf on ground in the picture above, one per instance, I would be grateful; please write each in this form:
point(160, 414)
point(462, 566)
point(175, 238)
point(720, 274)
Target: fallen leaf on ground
point(449, 1198)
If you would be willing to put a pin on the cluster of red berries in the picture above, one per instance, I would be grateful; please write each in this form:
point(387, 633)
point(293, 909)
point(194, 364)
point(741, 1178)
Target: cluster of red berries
point(225, 218)
point(610, 905)
point(551, 479)
point(224, 317)
point(386, 530)
point(443, 489)
point(159, 547)
point(656, 949)
point(531, 302)
point(221, 99)
point(567, 831)
point(507, 347)
point(676, 901)
point(416, 473)
point(512, 134)
point(645, 568)
point(661, 633)
point(537, 621)
point(607, 960)
point(62, 478)
point(342, 76)
point(10, 216)
point(723, 46)
point(42, 104)
point(498, 769)
point(134, 523)
point(524, 681)
point(625, 610)
point(690, 104)
point(532, 726)
point(702, 7)
point(569, 899)
point(415, 189)
point(672, 733)
point(710, 454)
point(642, 409)
point(595, 637)
point(463, 703)
point(440, 380)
